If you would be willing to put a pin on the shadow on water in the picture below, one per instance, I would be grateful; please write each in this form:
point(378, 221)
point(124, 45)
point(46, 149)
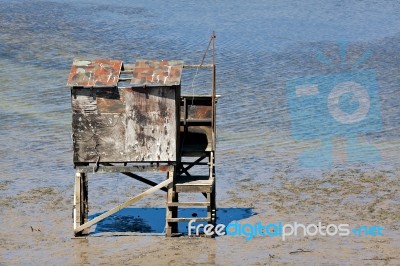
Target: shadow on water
point(152, 220)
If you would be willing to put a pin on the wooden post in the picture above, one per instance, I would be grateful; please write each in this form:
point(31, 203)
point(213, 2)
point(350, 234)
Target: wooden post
point(122, 205)
point(213, 206)
point(85, 202)
point(213, 194)
point(81, 210)
point(174, 211)
point(77, 201)
point(209, 208)
point(171, 211)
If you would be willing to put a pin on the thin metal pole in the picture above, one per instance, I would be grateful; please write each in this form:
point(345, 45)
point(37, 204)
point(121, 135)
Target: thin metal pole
point(214, 88)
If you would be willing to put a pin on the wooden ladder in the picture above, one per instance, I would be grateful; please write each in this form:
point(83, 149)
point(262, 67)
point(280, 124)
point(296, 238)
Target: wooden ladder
point(197, 140)
point(183, 183)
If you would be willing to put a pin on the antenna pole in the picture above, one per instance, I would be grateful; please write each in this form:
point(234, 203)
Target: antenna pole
point(213, 86)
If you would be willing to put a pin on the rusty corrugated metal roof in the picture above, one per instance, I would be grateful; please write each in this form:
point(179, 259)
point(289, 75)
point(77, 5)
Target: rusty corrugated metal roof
point(94, 73)
point(157, 73)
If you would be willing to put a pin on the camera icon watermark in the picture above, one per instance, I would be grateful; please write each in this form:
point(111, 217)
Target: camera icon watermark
point(339, 104)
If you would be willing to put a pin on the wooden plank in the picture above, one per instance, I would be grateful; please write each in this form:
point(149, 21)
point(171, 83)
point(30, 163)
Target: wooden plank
point(99, 137)
point(123, 205)
point(84, 101)
point(122, 169)
point(197, 219)
point(77, 201)
point(190, 96)
point(193, 163)
point(188, 204)
point(209, 208)
point(190, 185)
point(189, 153)
point(198, 66)
point(194, 178)
point(213, 194)
point(80, 211)
point(125, 125)
point(110, 100)
point(151, 124)
point(84, 202)
point(170, 211)
point(198, 121)
point(193, 188)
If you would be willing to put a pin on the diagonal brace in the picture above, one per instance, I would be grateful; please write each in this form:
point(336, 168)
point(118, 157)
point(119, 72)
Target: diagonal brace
point(143, 180)
point(187, 168)
point(139, 178)
point(123, 205)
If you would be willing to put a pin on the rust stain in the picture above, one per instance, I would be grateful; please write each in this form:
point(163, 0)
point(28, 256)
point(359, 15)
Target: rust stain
point(199, 112)
point(163, 168)
point(94, 73)
point(123, 124)
point(157, 73)
point(110, 100)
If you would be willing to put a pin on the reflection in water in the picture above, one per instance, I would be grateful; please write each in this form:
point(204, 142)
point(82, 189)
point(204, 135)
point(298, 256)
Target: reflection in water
point(152, 220)
point(124, 223)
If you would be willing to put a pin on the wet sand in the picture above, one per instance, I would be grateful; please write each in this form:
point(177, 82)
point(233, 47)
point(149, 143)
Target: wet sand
point(260, 47)
point(37, 226)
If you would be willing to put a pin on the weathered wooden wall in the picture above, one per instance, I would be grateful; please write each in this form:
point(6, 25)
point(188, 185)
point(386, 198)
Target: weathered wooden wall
point(125, 124)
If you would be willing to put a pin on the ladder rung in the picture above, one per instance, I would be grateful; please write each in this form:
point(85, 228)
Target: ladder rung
point(194, 188)
point(194, 153)
point(185, 163)
point(188, 204)
point(198, 120)
point(202, 219)
point(185, 178)
point(195, 181)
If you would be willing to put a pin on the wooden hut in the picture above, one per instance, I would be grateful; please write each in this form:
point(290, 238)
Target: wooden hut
point(131, 118)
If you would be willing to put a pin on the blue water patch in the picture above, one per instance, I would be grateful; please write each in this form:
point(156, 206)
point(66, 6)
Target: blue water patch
point(152, 220)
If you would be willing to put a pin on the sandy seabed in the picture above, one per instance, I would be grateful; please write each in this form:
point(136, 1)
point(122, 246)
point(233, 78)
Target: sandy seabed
point(36, 226)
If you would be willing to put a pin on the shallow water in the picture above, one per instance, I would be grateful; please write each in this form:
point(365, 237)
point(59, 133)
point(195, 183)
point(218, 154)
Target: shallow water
point(261, 48)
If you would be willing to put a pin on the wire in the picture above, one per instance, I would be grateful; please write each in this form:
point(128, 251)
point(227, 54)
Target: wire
point(201, 63)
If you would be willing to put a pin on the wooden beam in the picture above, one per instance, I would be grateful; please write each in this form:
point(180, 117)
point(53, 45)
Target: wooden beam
point(188, 204)
point(122, 169)
point(139, 178)
point(198, 66)
point(84, 201)
point(144, 180)
point(187, 168)
point(197, 219)
point(123, 205)
point(77, 201)
point(170, 211)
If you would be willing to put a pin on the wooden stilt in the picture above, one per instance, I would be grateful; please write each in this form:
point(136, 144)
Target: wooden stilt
point(171, 211)
point(81, 210)
point(85, 202)
point(122, 205)
point(175, 212)
point(213, 193)
point(213, 207)
point(77, 201)
point(209, 209)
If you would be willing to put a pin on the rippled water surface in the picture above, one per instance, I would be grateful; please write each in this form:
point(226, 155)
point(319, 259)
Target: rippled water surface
point(261, 48)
